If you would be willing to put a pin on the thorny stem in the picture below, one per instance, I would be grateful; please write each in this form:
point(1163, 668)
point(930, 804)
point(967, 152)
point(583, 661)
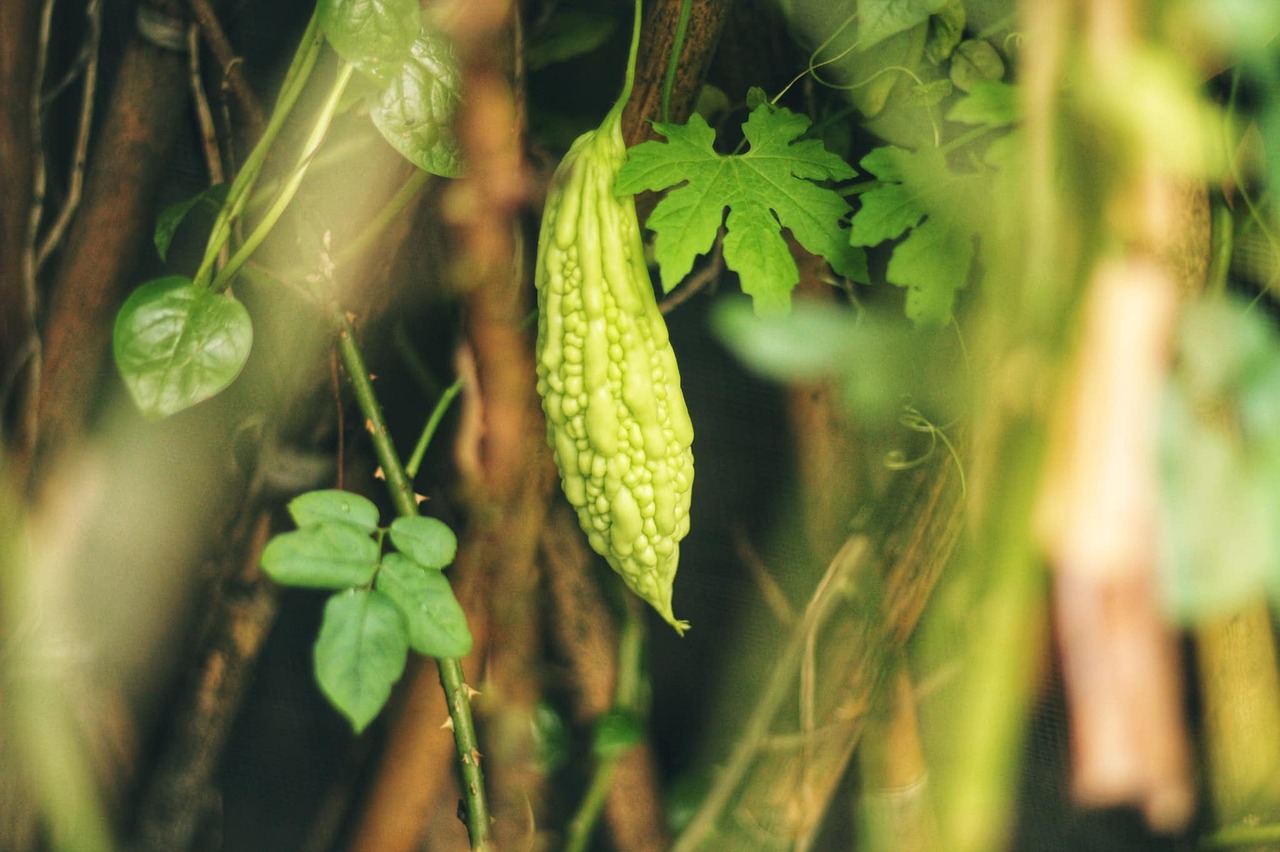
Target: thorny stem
point(457, 693)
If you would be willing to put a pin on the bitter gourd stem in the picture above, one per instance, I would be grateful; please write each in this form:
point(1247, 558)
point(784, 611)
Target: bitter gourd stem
point(402, 496)
point(615, 114)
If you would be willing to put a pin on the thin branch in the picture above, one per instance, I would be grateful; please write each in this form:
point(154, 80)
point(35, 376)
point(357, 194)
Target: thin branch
point(229, 62)
point(40, 178)
point(208, 132)
point(80, 154)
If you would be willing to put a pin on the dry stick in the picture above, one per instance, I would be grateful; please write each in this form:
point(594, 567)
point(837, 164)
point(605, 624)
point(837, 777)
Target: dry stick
point(505, 467)
point(20, 46)
point(138, 130)
point(79, 155)
point(753, 802)
point(230, 64)
point(180, 792)
point(208, 132)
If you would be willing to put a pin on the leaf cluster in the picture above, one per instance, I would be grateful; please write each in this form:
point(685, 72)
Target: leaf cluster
point(384, 603)
point(935, 212)
point(415, 82)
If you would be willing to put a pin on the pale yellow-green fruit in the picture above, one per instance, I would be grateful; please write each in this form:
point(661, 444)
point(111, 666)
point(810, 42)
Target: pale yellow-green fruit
point(610, 386)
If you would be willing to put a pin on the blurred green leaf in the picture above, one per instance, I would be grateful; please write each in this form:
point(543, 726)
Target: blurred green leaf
point(880, 19)
point(616, 732)
point(946, 28)
point(171, 217)
point(1220, 463)
point(974, 62)
point(373, 35)
point(567, 34)
point(989, 103)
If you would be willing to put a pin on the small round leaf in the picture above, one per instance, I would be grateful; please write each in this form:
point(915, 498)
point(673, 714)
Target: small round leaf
point(177, 344)
point(332, 555)
point(427, 541)
point(316, 507)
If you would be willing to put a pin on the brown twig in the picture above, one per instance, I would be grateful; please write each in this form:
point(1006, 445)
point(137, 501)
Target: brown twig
point(79, 155)
point(766, 797)
point(180, 790)
point(208, 131)
point(584, 631)
point(111, 225)
point(20, 26)
point(229, 62)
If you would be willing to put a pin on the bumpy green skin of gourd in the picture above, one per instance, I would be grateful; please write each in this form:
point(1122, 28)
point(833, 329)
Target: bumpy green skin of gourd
point(610, 387)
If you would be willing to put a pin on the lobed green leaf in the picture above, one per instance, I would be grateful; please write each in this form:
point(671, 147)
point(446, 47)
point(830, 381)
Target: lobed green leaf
point(767, 188)
point(933, 262)
point(177, 344)
point(360, 653)
point(990, 103)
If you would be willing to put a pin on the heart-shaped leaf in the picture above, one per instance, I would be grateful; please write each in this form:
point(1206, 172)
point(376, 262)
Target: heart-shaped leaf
point(373, 35)
point(177, 344)
point(415, 112)
point(360, 653)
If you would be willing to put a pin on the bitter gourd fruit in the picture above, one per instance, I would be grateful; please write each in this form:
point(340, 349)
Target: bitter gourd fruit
point(610, 386)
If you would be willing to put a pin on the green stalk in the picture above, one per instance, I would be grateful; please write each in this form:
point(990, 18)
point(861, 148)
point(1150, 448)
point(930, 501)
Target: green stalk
point(433, 423)
point(290, 188)
point(304, 60)
point(384, 217)
point(615, 114)
point(457, 694)
point(673, 61)
point(626, 698)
